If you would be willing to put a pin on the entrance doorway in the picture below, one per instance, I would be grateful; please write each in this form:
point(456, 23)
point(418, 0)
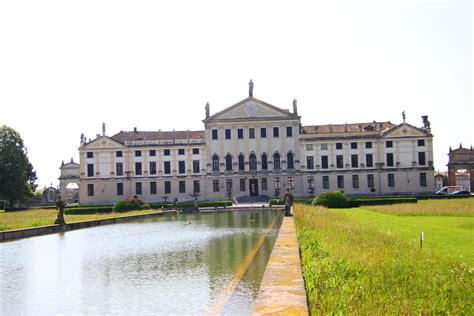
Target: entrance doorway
point(253, 185)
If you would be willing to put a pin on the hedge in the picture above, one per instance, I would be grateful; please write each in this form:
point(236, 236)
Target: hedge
point(381, 201)
point(88, 210)
point(332, 200)
point(276, 202)
point(191, 204)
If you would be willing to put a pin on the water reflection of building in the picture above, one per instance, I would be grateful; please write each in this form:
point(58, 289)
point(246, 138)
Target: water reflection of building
point(255, 149)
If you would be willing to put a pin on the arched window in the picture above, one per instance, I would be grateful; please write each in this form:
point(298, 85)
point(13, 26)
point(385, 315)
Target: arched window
point(264, 162)
point(241, 162)
point(228, 162)
point(290, 161)
point(253, 162)
point(215, 163)
point(276, 161)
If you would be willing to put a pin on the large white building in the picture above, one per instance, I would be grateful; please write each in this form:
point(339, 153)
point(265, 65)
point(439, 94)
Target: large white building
point(254, 149)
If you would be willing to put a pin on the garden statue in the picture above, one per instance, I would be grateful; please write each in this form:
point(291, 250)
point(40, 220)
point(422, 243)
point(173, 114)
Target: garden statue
point(288, 202)
point(60, 206)
point(251, 88)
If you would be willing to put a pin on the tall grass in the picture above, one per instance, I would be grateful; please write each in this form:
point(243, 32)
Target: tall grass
point(357, 269)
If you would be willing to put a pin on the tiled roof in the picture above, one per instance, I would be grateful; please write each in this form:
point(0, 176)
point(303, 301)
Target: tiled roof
point(377, 127)
point(150, 136)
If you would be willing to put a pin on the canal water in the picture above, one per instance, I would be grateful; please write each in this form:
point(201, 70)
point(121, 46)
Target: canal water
point(184, 264)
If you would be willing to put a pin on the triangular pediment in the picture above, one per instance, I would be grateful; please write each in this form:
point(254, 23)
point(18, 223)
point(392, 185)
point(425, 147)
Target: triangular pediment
point(251, 108)
point(103, 142)
point(405, 130)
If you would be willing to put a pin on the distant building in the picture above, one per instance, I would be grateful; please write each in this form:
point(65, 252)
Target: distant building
point(69, 181)
point(254, 149)
point(461, 168)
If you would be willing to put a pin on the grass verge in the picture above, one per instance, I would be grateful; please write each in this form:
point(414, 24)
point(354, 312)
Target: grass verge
point(356, 268)
point(42, 217)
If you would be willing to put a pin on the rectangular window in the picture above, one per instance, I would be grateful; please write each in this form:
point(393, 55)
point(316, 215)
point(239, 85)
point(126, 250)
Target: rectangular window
point(421, 142)
point(195, 151)
point(353, 145)
point(391, 180)
point(181, 151)
point(368, 144)
point(90, 170)
point(119, 188)
point(276, 132)
point(119, 153)
point(138, 153)
point(291, 183)
point(167, 167)
point(215, 185)
point(311, 183)
point(196, 186)
point(355, 181)
point(152, 167)
point(166, 152)
point(340, 182)
point(181, 167)
point(195, 166)
point(324, 146)
point(421, 159)
point(228, 185)
point(227, 133)
point(338, 146)
point(214, 134)
point(251, 133)
point(354, 161)
point(152, 152)
point(153, 187)
point(277, 183)
point(138, 168)
point(423, 179)
point(339, 161)
point(182, 186)
point(263, 132)
point(264, 184)
point(369, 160)
point(167, 187)
point(289, 131)
point(90, 154)
point(324, 162)
point(389, 144)
point(138, 188)
point(389, 160)
point(90, 190)
point(325, 182)
point(119, 168)
point(240, 133)
point(310, 162)
point(370, 180)
point(242, 184)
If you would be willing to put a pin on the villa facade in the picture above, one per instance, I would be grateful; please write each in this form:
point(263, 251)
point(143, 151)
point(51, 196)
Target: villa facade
point(255, 149)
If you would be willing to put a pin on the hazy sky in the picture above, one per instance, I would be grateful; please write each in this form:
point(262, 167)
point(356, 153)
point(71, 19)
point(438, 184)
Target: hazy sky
point(68, 66)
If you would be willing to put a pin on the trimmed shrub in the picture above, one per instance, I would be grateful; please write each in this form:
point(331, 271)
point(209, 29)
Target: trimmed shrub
point(88, 210)
point(332, 200)
point(273, 202)
point(381, 201)
point(130, 204)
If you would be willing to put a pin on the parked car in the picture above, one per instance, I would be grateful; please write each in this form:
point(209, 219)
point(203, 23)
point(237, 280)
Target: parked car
point(462, 193)
point(449, 189)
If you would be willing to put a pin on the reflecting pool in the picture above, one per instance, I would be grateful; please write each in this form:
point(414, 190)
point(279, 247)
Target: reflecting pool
point(184, 264)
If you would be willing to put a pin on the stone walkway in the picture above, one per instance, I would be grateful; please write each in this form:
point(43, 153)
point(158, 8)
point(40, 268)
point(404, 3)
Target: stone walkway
point(282, 290)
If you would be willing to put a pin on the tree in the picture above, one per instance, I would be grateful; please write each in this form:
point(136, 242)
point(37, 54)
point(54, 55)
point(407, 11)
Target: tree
point(17, 177)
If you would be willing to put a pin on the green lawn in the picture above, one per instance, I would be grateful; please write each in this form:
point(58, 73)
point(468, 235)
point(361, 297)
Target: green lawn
point(365, 261)
point(445, 235)
point(42, 217)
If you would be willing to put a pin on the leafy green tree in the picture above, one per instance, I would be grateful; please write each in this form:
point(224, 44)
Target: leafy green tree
point(17, 177)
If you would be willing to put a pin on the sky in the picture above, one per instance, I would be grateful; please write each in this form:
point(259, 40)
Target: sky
point(68, 66)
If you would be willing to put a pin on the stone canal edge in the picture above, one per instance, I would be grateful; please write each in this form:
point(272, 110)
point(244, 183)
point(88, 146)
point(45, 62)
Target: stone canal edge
point(282, 291)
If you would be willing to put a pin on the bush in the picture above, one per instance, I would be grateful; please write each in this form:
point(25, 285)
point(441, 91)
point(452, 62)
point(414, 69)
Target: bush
point(332, 200)
point(272, 202)
point(130, 204)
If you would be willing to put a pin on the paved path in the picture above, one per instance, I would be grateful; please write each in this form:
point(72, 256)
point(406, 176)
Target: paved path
point(282, 290)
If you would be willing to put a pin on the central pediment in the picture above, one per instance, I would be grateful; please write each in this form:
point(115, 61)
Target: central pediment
point(251, 108)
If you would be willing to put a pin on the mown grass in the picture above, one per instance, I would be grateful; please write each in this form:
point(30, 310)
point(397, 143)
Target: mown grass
point(42, 217)
point(451, 207)
point(351, 267)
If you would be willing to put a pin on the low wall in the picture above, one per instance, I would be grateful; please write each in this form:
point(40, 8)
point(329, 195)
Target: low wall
point(52, 229)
